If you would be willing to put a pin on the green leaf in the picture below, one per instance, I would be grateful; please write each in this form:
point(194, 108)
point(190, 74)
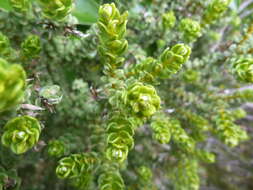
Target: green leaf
point(4, 4)
point(86, 11)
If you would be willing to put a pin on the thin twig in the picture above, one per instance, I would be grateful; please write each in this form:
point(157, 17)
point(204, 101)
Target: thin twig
point(31, 107)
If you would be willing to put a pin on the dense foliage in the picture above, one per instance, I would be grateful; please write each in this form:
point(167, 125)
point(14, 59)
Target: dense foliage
point(135, 95)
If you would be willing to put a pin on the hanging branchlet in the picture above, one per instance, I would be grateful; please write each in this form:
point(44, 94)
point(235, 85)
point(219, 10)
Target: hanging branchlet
point(56, 9)
point(214, 11)
point(185, 174)
point(21, 134)
point(31, 47)
point(243, 69)
point(112, 29)
point(12, 85)
point(190, 29)
point(160, 126)
point(227, 131)
point(198, 125)
point(181, 138)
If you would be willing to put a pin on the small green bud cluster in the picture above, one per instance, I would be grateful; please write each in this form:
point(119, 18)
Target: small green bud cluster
point(20, 5)
point(191, 76)
point(228, 132)
point(145, 173)
point(243, 69)
point(21, 134)
point(56, 9)
point(112, 28)
point(76, 165)
point(56, 148)
point(31, 47)
point(12, 85)
point(120, 140)
point(110, 179)
point(215, 10)
point(190, 29)
point(161, 128)
point(173, 59)
point(168, 20)
point(142, 99)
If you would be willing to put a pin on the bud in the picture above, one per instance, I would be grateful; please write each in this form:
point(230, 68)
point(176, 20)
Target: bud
point(145, 173)
point(56, 9)
point(215, 10)
point(190, 29)
point(56, 148)
point(182, 50)
point(243, 69)
point(116, 154)
point(21, 134)
point(142, 99)
point(173, 59)
point(168, 20)
point(31, 47)
point(108, 12)
point(66, 168)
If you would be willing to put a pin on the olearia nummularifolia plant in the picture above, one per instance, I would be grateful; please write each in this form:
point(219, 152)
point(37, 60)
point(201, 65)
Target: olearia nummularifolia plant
point(140, 101)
